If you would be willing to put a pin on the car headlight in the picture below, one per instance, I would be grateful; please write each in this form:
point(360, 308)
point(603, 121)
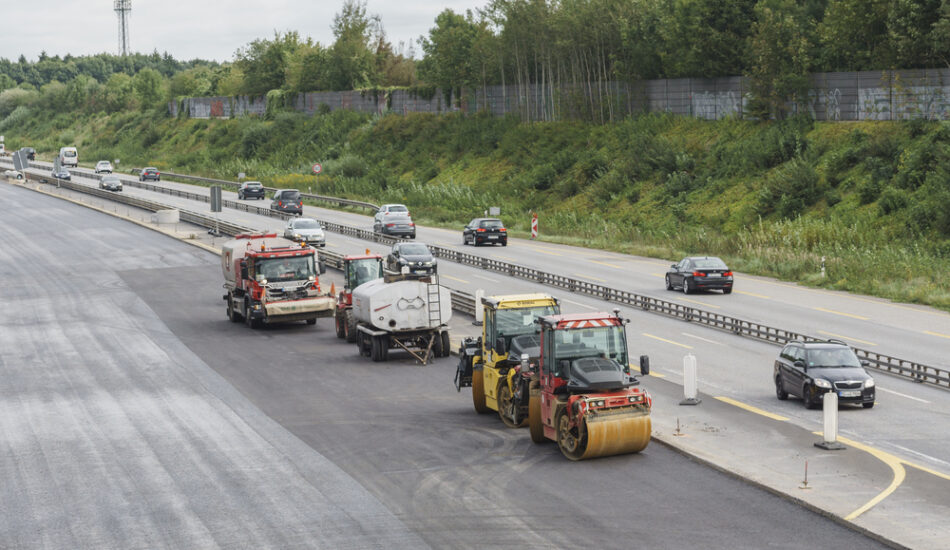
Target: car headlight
point(427, 264)
point(297, 236)
point(822, 383)
point(869, 383)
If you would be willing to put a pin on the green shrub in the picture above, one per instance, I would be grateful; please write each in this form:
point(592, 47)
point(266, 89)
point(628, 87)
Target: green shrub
point(255, 137)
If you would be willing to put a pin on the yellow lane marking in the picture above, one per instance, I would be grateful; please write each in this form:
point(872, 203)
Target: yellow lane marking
point(453, 278)
point(586, 276)
point(655, 374)
point(578, 304)
point(333, 245)
point(750, 408)
point(543, 251)
point(605, 263)
point(753, 294)
point(503, 257)
point(486, 278)
point(937, 334)
point(840, 313)
point(700, 303)
point(928, 470)
point(887, 458)
point(667, 341)
point(450, 245)
point(849, 338)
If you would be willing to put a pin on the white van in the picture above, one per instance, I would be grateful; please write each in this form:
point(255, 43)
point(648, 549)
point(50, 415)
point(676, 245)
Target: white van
point(68, 156)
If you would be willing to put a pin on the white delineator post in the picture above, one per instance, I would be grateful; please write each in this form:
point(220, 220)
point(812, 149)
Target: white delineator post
point(830, 412)
point(479, 310)
point(690, 389)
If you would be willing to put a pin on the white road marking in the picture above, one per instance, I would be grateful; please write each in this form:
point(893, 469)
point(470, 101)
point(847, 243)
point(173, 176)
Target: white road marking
point(703, 339)
point(904, 395)
point(486, 278)
point(578, 304)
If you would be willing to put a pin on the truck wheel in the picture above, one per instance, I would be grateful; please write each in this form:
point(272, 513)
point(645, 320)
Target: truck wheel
point(478, 392)
point(534, 417)
point(363, 344)
point(507, 411)
point(437, 349)
point(349, 326)
point(374, 348)
point(338, 322)
point(312, 321)
point(253, 323)
point(234, 316)
point(446, 345)
point(383, 348)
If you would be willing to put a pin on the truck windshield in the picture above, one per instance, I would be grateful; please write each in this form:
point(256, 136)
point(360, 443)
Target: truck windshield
point(363, 271)
point(288, 268)
point(606, 342)
point(515, 322)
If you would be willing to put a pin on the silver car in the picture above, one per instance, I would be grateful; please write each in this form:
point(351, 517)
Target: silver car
point(103, 166)
point(306, 230)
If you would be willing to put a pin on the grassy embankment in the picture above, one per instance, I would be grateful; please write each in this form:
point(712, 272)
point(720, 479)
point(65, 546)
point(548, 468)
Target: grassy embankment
point(772, 199)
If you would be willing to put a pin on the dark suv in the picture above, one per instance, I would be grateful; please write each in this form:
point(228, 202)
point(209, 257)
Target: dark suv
point(811, 369)
point(287, 200)
point(150, 173)
point(251, 190)
point(485, 230)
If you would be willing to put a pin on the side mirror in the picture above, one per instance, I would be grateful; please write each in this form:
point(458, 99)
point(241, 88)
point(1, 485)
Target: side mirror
point(800, 364)
point(243, 271)
point(500, 347)
point(644, 365)
point(674, 266)
point(865, 363)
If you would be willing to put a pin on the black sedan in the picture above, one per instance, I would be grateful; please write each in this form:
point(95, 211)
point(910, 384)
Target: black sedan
point(485, 231)
point(414, 256)
point(699, 273)
point(110, 183)
point(811, 369)
point(251, 190)
point(62, 174)
point(150, 173)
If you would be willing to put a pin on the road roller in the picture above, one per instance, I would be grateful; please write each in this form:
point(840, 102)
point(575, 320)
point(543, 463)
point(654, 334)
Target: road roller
point(583, 394)
point(491, 364)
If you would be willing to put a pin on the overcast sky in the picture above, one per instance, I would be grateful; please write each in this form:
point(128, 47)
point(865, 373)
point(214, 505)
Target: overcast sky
point(190, 29)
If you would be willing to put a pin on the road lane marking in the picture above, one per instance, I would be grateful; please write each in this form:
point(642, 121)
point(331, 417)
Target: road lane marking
point(658, 274)
point(543, 251)
point(937, 334)
point(753, 294)
point(453, 278)
point(445, 244)
point(656, 374)
point(703, 339)
point(667, 341)
point(578, 304)
point(486, 278)
point(585, 276)
point(700, 303)
point(605, 263)
point(896, 465)
point(334, 245)
point(925, 457)
point(903, 395)
point(840, 313)
point(750, 408)
point(503, 257)
point(850, 338)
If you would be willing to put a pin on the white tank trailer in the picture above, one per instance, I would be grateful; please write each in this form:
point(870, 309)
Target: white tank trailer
point(410, 315)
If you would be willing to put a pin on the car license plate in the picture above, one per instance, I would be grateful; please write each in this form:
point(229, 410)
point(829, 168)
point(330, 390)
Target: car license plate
point(493, 236)
point(849, 393)
point(713, 274)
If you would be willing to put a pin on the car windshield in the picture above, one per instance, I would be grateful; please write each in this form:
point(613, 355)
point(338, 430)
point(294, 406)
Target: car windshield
point(401, 218)
point(709, 263)
point(515, 322)
point(290, 196)
point(253, 184)
point(306, 224)
point(414, 249)
point(362, 271)
point(69, 154)
point(832, 357)
point(289, 268)
point(492, 224)
point(151, 170)
point(397, 208)
point(110, 180)
point(606, 342)
point(103, 163)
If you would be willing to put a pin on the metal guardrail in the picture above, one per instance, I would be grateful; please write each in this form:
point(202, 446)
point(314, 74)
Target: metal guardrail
point(913, 370)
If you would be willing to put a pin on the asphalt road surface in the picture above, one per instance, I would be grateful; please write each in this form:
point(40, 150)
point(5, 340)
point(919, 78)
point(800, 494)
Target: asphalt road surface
point(121, 427)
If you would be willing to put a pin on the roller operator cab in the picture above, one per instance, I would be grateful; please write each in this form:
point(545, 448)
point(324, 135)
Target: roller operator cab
point(357, 270)
point(584, 395)
point(491, 364)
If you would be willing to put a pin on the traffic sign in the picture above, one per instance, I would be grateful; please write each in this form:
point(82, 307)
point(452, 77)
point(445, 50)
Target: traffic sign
point(317, 168)
point(534, 226)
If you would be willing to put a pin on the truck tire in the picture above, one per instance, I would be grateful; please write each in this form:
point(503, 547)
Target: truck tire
point(349, 326)
point(478, 392)
point(534, 417)
point(446, 344)
point(338, 322)
point(312, 321)
point(373, 348)
point(437, 349)
point(384, 348)
point(234, 316)
point(253, 323)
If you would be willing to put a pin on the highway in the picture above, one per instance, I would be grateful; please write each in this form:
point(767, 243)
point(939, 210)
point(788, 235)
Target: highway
point(737, 368)
point(136, 415)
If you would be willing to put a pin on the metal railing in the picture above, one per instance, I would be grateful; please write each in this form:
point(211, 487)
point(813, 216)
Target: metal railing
point(881, 362)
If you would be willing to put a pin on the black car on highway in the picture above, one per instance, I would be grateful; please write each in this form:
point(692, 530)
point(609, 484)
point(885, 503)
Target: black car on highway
point(485, 231)
point(287, 200)
point(62, 174)
point(110, 183)
point(699, 273)
point(251, 190)
point(415, 256)
point(150, 173)
point(811, 369)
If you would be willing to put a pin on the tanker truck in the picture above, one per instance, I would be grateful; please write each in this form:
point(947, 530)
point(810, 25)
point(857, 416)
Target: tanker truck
point(408, 314)
point(583, 394)
point(272, 280)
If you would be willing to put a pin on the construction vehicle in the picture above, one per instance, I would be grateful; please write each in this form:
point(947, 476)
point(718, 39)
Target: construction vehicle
point(583, 394)
point(406, 313)
point(356, 271)
point(491, 364)
point(272, 280)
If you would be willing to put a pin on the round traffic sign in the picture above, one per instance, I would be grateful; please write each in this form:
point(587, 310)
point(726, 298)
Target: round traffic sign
point(317, 168)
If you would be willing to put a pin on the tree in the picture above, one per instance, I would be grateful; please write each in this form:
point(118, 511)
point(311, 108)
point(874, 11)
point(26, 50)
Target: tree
point(352, 62)
point(706, 38)
point(853, 36)
point(148, 87)
point(779, 61)
point(909, 27)
point(448, 60)
point(117, 94)
point(264, 62)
